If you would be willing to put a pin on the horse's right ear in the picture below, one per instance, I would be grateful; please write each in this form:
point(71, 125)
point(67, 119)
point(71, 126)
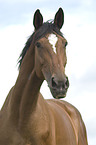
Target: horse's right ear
point(38, 19)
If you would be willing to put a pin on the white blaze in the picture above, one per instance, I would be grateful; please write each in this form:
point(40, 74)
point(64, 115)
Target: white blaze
point(53, 40)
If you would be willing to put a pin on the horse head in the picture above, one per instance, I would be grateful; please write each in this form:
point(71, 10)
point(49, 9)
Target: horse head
point(50, 54)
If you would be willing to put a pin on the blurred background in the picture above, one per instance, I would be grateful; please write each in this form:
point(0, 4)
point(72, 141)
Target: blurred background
point(16, 25)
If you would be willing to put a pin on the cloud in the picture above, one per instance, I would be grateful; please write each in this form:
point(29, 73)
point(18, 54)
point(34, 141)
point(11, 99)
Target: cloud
point(14, 12)
point(89, 79)
point(21, 1)
point(91, 130)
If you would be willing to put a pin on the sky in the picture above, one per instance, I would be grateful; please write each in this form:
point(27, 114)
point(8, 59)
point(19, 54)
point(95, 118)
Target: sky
point(16, 25)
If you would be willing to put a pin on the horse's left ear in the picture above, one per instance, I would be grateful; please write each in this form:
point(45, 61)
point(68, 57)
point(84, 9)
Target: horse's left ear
point(38, 19)
point(59, 18)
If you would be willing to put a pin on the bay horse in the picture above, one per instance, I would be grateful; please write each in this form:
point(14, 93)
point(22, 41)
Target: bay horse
point(26, 118)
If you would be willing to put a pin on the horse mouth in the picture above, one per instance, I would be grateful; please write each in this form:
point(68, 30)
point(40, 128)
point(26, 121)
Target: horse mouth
point(58, 94)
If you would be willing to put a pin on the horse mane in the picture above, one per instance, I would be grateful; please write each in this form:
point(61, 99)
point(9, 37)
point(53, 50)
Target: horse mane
point(47, 28)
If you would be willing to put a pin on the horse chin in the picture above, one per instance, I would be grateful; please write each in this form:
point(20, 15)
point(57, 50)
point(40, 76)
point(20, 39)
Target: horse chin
point(60, 96)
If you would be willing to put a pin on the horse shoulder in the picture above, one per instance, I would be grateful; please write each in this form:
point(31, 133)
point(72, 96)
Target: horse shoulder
point(8, 134)
point(76, 120)
point(78, 123)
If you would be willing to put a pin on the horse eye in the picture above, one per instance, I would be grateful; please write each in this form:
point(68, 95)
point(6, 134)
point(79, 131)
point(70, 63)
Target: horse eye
point(38, 44)
point(66, 43)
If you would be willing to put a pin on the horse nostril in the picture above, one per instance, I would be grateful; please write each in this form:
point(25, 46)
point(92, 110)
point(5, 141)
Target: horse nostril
point(66, 83)
point(54, 84)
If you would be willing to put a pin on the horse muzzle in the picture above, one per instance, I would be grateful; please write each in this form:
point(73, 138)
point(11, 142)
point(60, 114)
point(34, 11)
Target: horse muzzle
point(58, 87)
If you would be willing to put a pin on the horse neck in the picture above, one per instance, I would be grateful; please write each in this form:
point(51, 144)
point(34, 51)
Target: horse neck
point(27, 76)
point(29, 98)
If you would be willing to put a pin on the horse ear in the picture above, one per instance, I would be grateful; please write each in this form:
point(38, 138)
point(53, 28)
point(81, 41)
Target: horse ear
point(38, 19)
point(59, 18)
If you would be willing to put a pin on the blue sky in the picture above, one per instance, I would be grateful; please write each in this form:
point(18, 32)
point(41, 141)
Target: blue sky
point(16, 24)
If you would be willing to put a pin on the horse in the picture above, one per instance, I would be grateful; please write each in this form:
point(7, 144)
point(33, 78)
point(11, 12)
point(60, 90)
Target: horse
point(26, 118)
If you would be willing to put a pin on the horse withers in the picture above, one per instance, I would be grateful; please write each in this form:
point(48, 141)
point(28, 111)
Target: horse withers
point(26, 118)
